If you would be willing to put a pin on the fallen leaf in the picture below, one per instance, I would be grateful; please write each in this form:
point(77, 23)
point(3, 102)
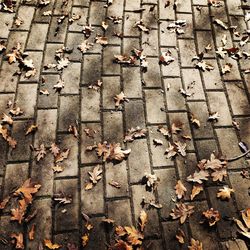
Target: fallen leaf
point(180, 236)
point(57, 169)
point(134, 236)
point(198, 177)
point(19, 240)
point(31, 233)
point(195, 245)
point(54, 149)
point(50, 245)
point(221, 24)
point(135, 133)
point(197, 188)
point(157, 142)
point(182, 212)
point(115, 184)
point(96, 175)
point(151, 180)
point(214, 116)
point(225, 193)
point(120, 98)
point(40, 152)
point(85, 240)
point(59, 86)
point(101, 40)
point(143, 219)
point(31, 129)
point(62, 155)
point(72, 129)
point(166, 58)
point(7, 119)
point(4, 202)
point(226, 68)
point(85, 46)
point(180, 189)
point(212, 216)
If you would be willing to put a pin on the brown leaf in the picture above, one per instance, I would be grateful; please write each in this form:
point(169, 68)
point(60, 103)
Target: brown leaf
point(182, 211)
point(134, 236)
point(96, 175)
point(143, 219)
point(197, 188)
point(27, 190)
point(225, 193)
point(54, 149)
point(171, 151)
point(62, 155)
point(59, 86)
point(89, 186)
point(50, 245)
point(166, 58)
point(157, 142)
point(16, 111)
point(180, 236)
point(195, 245)
point(164, 131)
point(40, 152)
point(120, 98)
point(101, 40)
point(198, 177)
point(181, 148)
point(72, 129)
point(19, 240)
point(31, 129)
point(85, 46)
point(121, 245)
point(4, 202)
point(57, 169)
point(180, 189)
point(219, 175)
point(135, 133)
point(212, 216)
point(7, 119)
point(108, 221)
point(115, 184)
point(246, 217)
point(31, 233)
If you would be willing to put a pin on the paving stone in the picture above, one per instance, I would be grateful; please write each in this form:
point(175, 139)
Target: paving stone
point(92, 201)
point(132, 82)
point(228, 142)
point(37, 40)
point(233, 7)
point(4, 99)
point(134, 114)
point(114, 9)
point(90, 105)
point(68, 112)
point(77, 25)
point(39, 17)
point(51, 100)
point(130, 43)
point(69, 222)
point(169, 231)
point(244, 132)
point(6, 20)
point(154, 113)
point(138, 193)
point(150, 17)
point(234, 244)
point(133, 5)
point(138, 160)
point(218, 103)
point(184, 6)
point(91, 69)
point(234, 73)
point(238, 98)
point(90, 156)
point(159, 158)
point(42, 173)
point(46, 120)
point(22, 150)
point(3, 157)
point(165, 12)
point(204, 38)
point(129, 21)
point(71, 77)
point(150, 43)
point(174, 99)
point(109, 67)
point(200, 112)
point(113, 127)
point(59, 8)
point(187, 51)
point(37, 58)
point(26, 99)
point(66, 238)
point(202, 18)
point(97, 13)
point(205, 148)
point(57, 32)
point(193, 84)
point(42, 221)
point(15, 176)
point(182, 118)
point(73, 41)
point(152, 78)
point(167, 38)
point(238, 21)
point(225, 228)
point(17, 37)
point(118, 173)
point(242, 186)
point(212, 80)
point(113, 28)
point(111, 88)
point(199, 231)
point(81, 3)
point(166, 189)
point(189, 29)
point(71, 163)
point(173, 69)
point(26, 14)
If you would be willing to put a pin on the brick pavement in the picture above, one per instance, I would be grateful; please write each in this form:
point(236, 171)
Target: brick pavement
point(154, 99)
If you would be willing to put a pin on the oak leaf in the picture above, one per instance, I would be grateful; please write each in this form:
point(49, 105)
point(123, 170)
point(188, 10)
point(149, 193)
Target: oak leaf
point(120, 98)
point(182, 212)
point(197, 188)
point(134, 236)
point(198, 177)
point(62, 155)
point(225, 193)
point(195, 245)
point(180, 189)
point(212, 216)
point(50, 245)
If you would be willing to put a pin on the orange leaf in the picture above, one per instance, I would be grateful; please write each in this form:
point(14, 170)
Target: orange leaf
point(50, 245)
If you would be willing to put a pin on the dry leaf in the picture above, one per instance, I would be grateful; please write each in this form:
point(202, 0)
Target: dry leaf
point(101, 40)
point(72, 129)
point(57, 169)
point(221, 24)
point(151, 180)
point(134, 236)
point(59, 86)
point(198, 177)
point(31, 233)
point(180, 236)
point(115, 184)
point(196, 190)
point(157, 142)
point(54, 149)
point(19, 240)
point(226, 68)
point(40, 152)
point(212, 216)
point(50, 245)
point(4, 202)
point(182, 212)
point(62, 155)
point(143, 219)
point(31, 129)
point(120, 98)
point(225, 193)
point(85, 46)
point(96, 175)
point(85, 240)
point(180, 189)
point(166, 58)
point(135, 133)
point(7, 119)
point(195, 245)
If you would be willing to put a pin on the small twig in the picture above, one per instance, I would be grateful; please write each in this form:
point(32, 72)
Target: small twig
point(239, 156)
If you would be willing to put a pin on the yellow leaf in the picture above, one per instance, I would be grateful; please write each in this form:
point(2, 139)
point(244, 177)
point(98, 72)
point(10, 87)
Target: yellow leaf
point(50, 245)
